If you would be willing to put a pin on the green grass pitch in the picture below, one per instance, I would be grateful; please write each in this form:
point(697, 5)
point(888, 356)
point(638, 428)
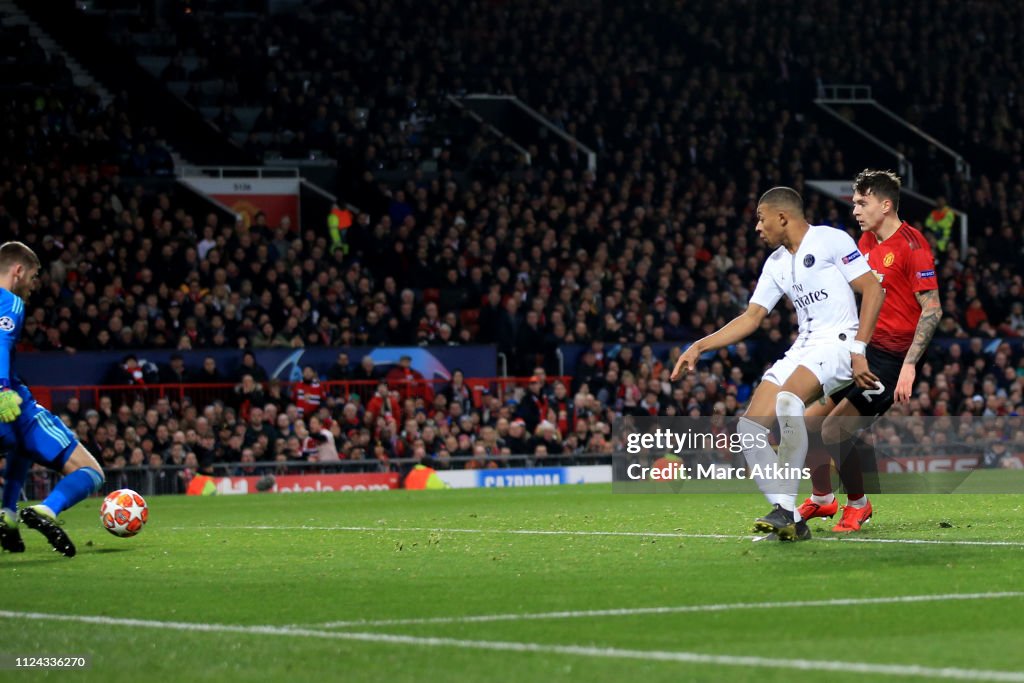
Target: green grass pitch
point(384, 587)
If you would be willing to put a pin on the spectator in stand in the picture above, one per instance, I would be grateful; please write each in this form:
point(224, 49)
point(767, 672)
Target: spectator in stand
point(248, 394)
point(534, 406)
point(209, 373)
point(547, 389)
point(562, 409)
point(163, 481)
point(367, 375)
point(341, 370)
point(995, 453)
point(320, 443)
point(267, 338)
point(257, 427)
point(479, 460)
point(308, 394)
point(384, 403)
point(975, 316)
point(529, 342)
point(350, 421)
point(408, 381)
point(1015, 323)
point(458, 391)
point(249, 366)
point(128, 372)
point(174, 372)
point(276, 395)
point(205, 454)
point(588, 372)
point(547, 442)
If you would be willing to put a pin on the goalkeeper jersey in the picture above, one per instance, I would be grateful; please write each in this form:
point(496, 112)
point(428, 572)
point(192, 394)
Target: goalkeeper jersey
point(12, 317)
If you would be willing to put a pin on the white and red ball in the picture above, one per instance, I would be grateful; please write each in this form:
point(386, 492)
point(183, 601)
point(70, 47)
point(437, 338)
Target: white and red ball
point(124, 512)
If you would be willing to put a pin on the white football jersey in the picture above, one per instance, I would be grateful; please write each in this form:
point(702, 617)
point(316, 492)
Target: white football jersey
point(816, 279)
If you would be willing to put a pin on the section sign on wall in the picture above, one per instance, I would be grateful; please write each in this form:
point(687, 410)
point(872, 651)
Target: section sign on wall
point(276, 197)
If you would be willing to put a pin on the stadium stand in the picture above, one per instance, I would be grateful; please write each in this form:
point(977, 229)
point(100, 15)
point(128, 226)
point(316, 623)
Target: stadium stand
point(462, 242)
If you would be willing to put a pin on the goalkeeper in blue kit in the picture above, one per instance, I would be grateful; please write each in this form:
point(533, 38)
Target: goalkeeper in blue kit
point(28, 432)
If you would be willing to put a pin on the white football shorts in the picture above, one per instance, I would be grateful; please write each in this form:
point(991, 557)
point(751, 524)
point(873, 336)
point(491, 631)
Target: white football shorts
point(830, 363)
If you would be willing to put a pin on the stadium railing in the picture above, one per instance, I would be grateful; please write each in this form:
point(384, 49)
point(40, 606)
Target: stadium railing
point(197, 394)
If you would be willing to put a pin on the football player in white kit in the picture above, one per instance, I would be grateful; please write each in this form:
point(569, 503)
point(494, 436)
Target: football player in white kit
point(819, 268)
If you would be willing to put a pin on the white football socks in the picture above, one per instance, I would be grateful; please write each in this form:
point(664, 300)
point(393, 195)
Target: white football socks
point(760, 457)
point(792, 445)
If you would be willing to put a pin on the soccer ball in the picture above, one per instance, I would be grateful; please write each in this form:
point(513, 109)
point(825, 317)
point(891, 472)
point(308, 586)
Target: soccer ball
point(124, 513)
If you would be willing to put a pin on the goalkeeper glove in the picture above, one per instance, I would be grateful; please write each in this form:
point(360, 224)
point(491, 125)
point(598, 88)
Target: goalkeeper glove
point(10, 406)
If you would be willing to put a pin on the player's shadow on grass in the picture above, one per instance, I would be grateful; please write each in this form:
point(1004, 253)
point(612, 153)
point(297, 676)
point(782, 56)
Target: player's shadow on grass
point(56, 557)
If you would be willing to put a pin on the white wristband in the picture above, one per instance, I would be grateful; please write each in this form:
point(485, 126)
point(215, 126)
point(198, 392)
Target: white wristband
point(858, 347)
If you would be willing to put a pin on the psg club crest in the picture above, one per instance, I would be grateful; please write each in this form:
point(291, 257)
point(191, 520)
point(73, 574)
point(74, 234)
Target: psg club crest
point(808, 261)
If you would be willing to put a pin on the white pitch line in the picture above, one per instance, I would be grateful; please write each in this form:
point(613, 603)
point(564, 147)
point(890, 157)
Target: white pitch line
point(904, 670)
point(924, 541)
point(678, 609)
point(553, 532)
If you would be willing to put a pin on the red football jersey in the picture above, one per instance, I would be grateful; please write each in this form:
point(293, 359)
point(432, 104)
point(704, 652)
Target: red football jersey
point(308, 397)
point(904, 265)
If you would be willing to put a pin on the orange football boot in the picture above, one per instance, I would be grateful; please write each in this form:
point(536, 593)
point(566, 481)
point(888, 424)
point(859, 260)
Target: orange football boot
point(809, 509)
point(853, 518)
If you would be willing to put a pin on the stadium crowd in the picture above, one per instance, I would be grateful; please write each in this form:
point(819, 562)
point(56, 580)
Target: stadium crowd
point(546, 262)
point(355, 417)
point(61, 126)
point(655, 246)
point(335, 77)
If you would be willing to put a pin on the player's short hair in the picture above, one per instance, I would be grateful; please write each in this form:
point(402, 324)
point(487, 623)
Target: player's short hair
point(17, 253)
point(882, 184)
point(784, 197)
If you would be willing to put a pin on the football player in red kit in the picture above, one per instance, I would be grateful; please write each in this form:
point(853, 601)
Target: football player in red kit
point(902, 261)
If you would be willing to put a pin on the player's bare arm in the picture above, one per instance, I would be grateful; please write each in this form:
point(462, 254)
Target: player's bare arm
point(736, 330)
point(931, 315)
point(872, 295)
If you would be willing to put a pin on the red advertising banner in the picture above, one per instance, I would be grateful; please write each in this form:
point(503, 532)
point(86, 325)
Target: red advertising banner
point(308, 483)
point(943, 463)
